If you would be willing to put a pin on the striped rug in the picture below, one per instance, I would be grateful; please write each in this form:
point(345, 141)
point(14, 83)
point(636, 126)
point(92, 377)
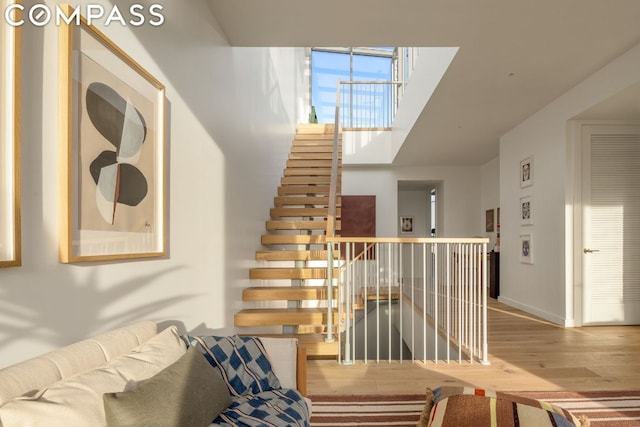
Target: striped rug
point(366, 411)
point(604, 409)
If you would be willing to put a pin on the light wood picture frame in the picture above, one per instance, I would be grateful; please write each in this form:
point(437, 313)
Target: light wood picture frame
point(526, 210)
point(526, 172)
point(10, 68)
point(112, 151)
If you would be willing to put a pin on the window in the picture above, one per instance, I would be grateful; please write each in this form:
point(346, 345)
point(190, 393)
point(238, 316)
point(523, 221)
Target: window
point(330, 65)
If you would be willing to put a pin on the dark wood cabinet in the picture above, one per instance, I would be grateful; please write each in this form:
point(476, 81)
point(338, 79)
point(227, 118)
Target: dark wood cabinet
point(494, 274)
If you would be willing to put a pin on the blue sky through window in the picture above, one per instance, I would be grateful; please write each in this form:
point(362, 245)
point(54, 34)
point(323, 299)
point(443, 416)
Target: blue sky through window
point(327, 68)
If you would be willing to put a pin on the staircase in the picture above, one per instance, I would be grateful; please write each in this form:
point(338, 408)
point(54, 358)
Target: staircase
point(293, 267)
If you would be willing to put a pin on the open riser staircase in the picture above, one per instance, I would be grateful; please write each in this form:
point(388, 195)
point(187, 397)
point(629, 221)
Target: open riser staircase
point(293, 266)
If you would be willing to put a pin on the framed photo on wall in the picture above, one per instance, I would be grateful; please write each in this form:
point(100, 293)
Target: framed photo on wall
point(112, 142)
point(406, 224)
point(10, 248)
point(526, 210)
point(489, 221)
point(526, 249)
point(526, 172)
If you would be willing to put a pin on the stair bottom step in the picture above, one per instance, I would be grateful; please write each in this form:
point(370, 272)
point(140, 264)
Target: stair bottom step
point(282, 316)
point(315, 344)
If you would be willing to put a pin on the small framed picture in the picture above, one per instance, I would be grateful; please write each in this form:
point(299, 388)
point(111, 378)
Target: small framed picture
point(526, 172)
point(406, 224)
point(526, 210)
point(526, 249)
point(489, 221)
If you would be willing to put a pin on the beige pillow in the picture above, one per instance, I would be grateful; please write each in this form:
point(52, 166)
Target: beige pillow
point(188, 393)
point(77, 400)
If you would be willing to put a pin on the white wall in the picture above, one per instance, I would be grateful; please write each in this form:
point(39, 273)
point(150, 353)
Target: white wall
point(490, 197)
point(458, 196)
point(380, 147)
point(231, 115)
point(546, 287)
point(416, 204)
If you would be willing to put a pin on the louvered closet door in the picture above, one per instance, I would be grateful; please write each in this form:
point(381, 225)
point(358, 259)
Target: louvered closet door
point(611, 225)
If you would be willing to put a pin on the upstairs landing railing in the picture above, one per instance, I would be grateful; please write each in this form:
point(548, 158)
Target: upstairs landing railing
point(368, 105)
point(412, 299)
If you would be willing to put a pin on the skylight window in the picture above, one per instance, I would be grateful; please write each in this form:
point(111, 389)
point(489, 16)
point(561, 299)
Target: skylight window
point(331, 65)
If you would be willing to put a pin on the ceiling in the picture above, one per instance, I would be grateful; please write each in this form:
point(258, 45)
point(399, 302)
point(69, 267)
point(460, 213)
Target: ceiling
point(515, 56)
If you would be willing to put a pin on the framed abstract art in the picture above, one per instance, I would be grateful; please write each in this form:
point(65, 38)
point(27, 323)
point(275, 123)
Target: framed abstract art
point(526, 172)
point(112, 151)
point(526, 210)
point(526, 249)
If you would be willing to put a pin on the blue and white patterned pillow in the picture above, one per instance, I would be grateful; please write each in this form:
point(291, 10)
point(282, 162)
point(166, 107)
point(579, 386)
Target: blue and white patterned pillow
point(241, 361)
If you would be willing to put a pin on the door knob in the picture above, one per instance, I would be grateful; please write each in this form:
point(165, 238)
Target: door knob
point(588, 251)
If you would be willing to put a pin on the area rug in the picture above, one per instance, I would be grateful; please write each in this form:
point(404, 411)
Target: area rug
point(367, 411)
point(604, 409)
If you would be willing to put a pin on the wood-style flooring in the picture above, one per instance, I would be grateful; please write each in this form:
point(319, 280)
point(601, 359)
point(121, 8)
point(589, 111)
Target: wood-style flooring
point(526, 354)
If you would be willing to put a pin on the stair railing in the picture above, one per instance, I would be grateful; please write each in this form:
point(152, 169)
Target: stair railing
point(428, 295)
point(369, 108)
point(368, 105)
point(331, 217)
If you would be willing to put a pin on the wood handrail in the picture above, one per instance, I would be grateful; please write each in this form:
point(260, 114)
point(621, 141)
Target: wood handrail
point(457, 240)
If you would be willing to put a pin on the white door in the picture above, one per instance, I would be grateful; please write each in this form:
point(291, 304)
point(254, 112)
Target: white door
point(611, 225)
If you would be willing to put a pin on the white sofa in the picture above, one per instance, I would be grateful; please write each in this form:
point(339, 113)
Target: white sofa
point(65, 387)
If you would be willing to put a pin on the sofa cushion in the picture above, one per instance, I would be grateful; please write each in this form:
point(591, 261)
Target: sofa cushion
point(242, 362)
point(28, 377)
point(465, 406)
point(285, 352)
point(187, 393)
point(77, 400)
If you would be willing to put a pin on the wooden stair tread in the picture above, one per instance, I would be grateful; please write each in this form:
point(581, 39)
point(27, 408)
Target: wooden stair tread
point(309, 163)
point(301, 200)
point(314, 343)
point(298, 225)
point(305, 180)
point(300, 171)
point(317, 190)
point(301, 212)
point(313, 155)
point(315, 128)
point(316, 142)
point(312, 149)
point(286, 293)
point(310, 255)
point(281, 316)
point(371, 295)
point(293, 239)
point(290, 273)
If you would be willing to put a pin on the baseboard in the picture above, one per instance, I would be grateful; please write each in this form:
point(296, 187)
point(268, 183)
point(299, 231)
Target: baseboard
point(536, 312)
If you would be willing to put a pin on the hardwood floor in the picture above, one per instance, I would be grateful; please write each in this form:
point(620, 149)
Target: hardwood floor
point(526, 354)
